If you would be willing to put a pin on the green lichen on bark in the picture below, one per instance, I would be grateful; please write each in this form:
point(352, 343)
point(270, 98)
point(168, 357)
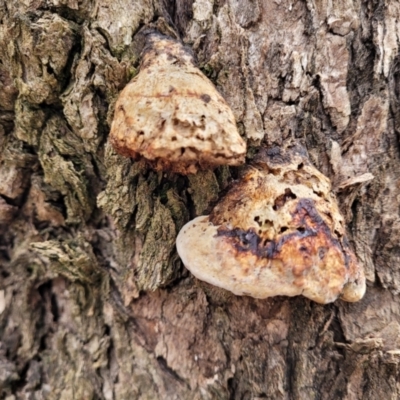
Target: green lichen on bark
point(65, 166)
point(203, 189)
point(158, 262)
point(74, 259)
point(30, 120)
point(148, 216)
point(177, 207)
point(41, 55)
point(119, 197)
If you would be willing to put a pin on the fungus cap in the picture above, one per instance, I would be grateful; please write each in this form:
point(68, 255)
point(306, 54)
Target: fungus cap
point(278, 231)
point(173, 116)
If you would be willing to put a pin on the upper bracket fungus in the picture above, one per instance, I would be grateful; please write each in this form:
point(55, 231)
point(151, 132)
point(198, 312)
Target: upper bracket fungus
point(278, 231)
point(173, 116)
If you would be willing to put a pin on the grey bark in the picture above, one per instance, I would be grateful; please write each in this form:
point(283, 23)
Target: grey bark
point(94, 302)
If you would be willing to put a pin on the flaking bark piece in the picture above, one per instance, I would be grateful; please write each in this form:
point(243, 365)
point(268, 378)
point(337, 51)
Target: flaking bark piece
point(278, 231)
point(173, 116)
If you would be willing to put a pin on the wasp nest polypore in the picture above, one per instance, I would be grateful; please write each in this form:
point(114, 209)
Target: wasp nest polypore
point(173, 116)
point(278, 231)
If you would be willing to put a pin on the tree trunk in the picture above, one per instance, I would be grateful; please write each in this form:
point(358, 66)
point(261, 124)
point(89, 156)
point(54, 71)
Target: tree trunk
point(94, 301)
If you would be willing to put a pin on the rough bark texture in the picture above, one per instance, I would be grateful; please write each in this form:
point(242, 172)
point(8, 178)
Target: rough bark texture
point(94, 301)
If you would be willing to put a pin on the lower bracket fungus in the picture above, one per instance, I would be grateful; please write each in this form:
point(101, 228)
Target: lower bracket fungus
point(278, 231)
point(173, 116)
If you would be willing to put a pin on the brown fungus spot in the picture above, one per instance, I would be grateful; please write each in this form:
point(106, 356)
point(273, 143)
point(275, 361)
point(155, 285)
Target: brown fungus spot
point(175, 107)
point(267, 237)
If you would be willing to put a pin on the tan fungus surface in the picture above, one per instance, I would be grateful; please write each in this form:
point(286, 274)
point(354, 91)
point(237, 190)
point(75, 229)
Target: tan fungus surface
point(278, 231)
point(173, 116)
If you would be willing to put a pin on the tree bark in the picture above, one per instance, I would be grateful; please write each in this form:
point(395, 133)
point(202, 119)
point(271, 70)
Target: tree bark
point(94, 301)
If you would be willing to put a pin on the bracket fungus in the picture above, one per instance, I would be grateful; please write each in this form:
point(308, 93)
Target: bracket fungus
point(278, 231)
point(173, 116)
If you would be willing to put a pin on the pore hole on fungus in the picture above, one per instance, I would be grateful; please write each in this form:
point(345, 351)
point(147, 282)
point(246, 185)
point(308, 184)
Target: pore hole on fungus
point(193, 149)
point(319, 194)
point(258, 220)
point(265, 242)
point(275, 171)
point(329, 216)
point(268, 223)
point(283, 198)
